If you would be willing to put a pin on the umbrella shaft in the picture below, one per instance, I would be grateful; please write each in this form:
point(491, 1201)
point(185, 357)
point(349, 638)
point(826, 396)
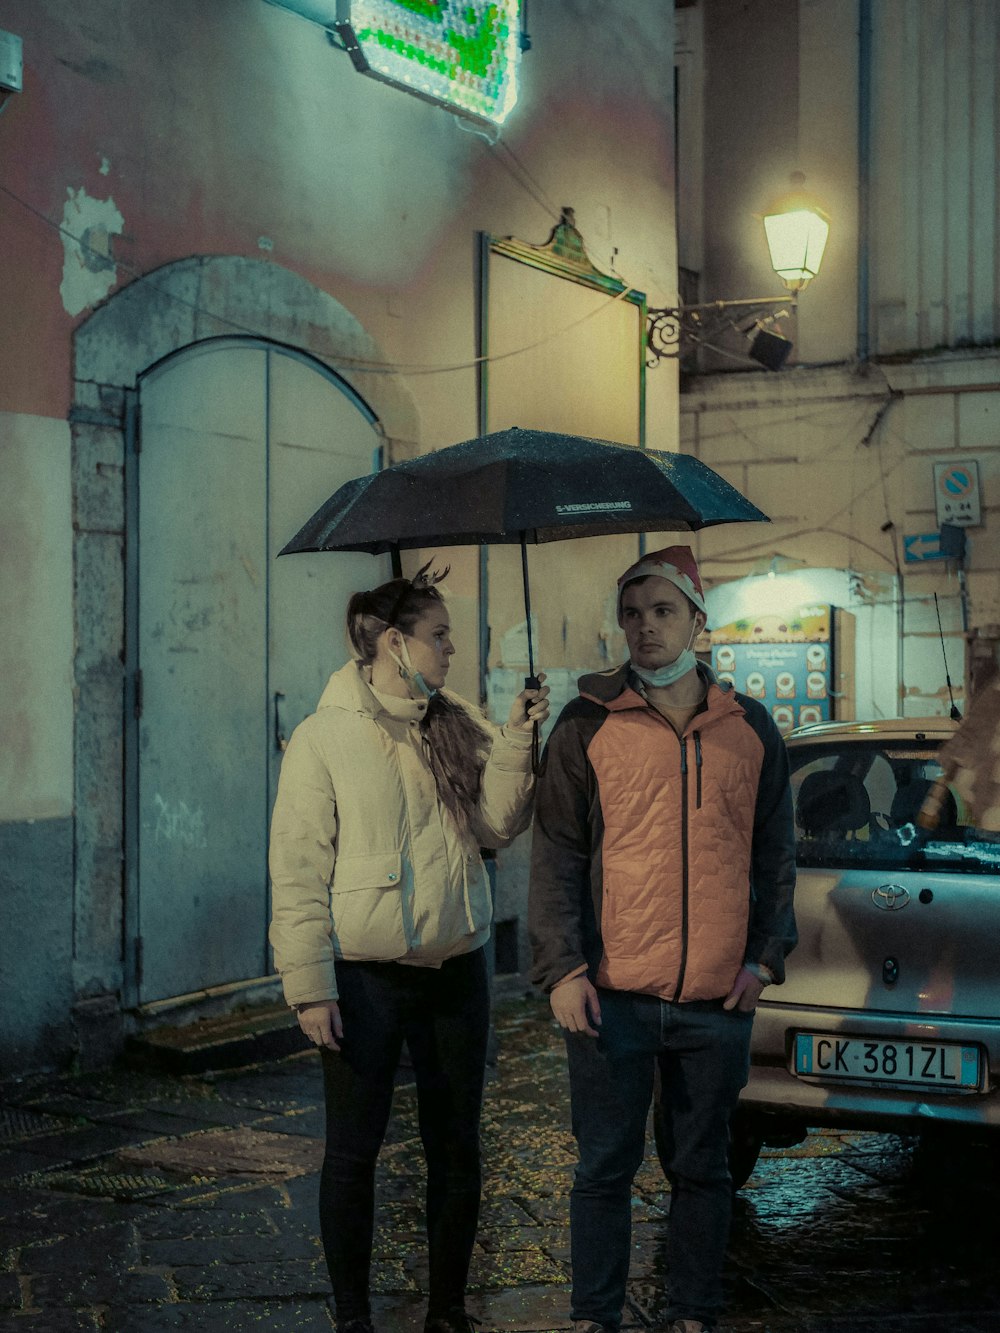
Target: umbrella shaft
point(527, 607)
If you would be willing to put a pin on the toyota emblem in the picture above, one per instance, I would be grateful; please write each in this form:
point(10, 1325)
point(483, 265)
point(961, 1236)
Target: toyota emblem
point(890, 897)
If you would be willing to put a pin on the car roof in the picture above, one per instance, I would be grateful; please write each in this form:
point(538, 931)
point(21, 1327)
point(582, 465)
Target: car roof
point(883, 728)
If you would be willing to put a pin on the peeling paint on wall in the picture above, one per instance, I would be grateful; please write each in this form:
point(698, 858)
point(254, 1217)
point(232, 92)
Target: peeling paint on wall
point(89, 270)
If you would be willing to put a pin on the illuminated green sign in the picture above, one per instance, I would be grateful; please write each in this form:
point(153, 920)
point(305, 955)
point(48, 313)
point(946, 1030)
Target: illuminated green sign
point(462, 54)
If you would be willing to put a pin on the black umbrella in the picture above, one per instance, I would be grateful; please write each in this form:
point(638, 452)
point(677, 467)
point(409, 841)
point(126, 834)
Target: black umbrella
point(524, 486)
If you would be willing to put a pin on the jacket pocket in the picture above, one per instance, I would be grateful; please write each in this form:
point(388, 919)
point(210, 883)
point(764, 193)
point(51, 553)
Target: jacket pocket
point(367, 906)
point(375, 870)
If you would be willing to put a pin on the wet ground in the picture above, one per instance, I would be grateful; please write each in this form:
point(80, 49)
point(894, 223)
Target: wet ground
point(137, 1202)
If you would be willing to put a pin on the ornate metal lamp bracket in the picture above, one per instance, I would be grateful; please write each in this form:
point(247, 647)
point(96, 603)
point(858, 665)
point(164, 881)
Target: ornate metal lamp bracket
point(680, 330)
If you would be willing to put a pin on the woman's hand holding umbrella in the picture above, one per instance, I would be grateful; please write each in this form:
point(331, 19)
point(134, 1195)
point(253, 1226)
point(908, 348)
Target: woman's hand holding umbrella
point(531, 708)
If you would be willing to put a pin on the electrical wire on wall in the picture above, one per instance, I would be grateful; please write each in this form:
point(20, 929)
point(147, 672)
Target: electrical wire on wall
point(743, 551)
point(522, 177)
point(359, 364)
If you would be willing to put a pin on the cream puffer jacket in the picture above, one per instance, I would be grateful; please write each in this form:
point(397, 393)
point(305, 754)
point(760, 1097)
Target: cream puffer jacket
point(366, 863)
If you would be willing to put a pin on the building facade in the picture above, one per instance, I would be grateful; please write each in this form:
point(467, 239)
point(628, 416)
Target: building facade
point(236, 273)
point(884, 424)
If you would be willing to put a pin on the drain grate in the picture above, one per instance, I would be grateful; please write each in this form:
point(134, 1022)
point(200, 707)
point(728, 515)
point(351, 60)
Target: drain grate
point(17, 1124)
point(124, 1186)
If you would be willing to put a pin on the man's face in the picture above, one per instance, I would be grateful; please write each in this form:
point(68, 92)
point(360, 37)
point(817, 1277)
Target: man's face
point(659, 622)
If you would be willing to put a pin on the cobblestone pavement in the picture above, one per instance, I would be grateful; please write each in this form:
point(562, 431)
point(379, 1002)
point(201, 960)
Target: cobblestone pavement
point(139, 1202)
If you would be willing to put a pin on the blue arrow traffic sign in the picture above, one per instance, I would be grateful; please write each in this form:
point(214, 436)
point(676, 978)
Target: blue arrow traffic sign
point(923, 546)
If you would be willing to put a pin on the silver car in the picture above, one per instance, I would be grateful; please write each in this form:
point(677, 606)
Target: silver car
point(889, 1018)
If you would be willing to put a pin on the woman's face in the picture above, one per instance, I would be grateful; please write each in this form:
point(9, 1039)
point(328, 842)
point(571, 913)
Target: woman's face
point(430, 647)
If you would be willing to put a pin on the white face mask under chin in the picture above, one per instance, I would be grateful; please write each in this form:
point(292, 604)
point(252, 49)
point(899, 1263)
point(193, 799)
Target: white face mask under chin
point(667, 675)
point(418, 687)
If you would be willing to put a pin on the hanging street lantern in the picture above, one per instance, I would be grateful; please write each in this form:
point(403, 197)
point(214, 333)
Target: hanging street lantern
point(796, 228)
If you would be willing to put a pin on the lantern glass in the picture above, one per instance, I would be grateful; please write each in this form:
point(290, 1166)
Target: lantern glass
point(796, 240)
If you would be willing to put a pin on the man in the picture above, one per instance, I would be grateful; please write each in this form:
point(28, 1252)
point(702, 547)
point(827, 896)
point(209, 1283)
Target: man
point(660, 906)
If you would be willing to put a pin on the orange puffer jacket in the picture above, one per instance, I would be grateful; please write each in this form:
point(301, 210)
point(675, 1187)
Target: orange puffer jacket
point(661, 862)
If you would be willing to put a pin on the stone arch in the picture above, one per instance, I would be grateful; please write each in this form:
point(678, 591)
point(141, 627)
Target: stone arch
point(172, 308)
point(213, 296)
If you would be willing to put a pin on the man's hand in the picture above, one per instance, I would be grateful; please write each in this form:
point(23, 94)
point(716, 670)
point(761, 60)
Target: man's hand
point(321, 1023)
point(745, 992)
point(576, 1006)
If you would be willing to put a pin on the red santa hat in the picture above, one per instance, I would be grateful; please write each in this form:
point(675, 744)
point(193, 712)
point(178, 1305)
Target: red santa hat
point(677, 565)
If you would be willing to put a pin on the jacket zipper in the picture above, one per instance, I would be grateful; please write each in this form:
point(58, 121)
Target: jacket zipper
point(684, 841)
point(684, 867)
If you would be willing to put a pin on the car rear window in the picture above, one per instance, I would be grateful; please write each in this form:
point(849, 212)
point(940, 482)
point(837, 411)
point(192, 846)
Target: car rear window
point(859, 804)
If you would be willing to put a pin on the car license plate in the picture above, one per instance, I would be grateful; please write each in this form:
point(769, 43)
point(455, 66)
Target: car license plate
point(826, 1055)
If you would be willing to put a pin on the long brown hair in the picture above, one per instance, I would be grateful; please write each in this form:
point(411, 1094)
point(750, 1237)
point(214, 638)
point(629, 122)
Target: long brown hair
point(457, 745)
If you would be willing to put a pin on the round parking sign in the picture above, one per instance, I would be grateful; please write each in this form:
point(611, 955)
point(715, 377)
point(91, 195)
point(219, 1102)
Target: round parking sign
point(956, 493)
point(956, 482)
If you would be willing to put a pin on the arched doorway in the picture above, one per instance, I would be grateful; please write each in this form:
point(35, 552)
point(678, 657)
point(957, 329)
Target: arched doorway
point(125, 354)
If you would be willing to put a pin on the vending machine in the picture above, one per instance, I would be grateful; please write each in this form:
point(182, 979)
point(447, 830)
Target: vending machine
point(787, 661)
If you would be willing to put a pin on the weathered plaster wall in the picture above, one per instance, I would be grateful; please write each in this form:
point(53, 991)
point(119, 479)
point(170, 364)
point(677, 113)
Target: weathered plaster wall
point(36, 741)
point(256, 138)
point(36, 702)
point(36, 943)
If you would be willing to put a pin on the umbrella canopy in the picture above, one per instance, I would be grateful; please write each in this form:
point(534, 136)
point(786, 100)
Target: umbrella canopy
point(524, 486)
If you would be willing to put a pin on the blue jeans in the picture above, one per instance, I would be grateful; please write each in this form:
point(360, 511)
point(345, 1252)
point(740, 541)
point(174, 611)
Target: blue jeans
point(704, 1056)
point(443, 1016)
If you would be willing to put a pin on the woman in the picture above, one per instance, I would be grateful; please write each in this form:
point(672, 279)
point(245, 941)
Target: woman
point(381, 913)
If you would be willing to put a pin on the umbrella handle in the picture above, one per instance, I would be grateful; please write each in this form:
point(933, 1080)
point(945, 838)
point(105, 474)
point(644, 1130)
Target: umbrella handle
point(533, 683)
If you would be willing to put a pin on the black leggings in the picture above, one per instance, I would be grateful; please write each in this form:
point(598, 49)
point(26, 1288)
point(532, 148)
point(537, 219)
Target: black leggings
point(443, 1016)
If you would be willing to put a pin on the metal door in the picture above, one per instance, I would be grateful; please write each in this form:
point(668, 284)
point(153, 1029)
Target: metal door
point(238, 444)
point(318, 440)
